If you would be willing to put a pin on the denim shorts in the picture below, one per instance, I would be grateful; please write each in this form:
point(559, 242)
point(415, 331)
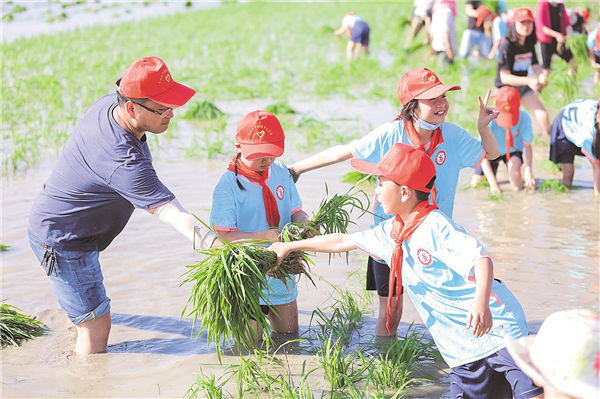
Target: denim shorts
point(76, 280)
point(494, 377)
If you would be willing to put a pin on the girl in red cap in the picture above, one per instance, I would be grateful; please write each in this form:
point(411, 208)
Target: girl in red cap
point(516, 54)
point(254, 199)
point(423, 125)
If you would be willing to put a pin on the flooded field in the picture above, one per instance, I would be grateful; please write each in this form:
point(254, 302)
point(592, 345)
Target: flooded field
point(544, 246)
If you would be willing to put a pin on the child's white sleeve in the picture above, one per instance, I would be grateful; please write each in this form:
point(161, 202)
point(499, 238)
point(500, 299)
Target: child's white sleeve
point(459, 251)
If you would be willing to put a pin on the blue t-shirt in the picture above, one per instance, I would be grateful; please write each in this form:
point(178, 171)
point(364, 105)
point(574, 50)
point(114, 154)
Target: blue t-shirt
point(438, 274)
point(499, 30)
point(459, 150)
point(102, 174)
point(244, 210)
point(591, 39)
point(522, 133)
point(579, 124)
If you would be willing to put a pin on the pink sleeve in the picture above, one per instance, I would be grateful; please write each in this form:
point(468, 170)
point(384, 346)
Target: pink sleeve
point(542, 18)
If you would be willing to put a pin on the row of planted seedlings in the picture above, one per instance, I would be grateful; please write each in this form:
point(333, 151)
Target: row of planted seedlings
point(225, 297)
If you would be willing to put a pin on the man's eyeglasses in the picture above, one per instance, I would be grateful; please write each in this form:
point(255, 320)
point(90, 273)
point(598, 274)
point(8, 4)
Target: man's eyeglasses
point(162, 114)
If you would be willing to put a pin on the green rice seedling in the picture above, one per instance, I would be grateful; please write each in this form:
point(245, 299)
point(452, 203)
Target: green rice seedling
point(227, 289)
point(280, 108)
point(252, 376)
point(16, 327)
point(357, 178)
point(8, 17)
point(346, 317)
point(210, 386)
point(550, 166)
point(302, 391)
point(203, 110)
point(18, 8)
point(339, 368)
point(495, 197)
point(394, 367)
point(578, 46)
point(553, 185)
point(4, 247)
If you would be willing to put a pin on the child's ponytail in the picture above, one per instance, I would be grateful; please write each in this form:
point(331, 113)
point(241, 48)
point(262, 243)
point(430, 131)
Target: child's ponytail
point(237, 158)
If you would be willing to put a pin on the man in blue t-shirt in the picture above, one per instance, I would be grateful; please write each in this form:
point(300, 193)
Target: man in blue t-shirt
point(103, 173)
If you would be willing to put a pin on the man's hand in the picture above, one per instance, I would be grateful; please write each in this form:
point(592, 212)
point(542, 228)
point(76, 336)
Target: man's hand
point(480, 317)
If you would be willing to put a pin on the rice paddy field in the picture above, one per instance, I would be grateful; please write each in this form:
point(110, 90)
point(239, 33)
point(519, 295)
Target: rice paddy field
point(240, 57)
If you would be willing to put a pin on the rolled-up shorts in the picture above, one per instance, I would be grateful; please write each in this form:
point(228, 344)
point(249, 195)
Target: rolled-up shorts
point(76, 280)
point(495, 162)
point(360, 33)
point(378, 278)
point(561, 149)
point(494, 377)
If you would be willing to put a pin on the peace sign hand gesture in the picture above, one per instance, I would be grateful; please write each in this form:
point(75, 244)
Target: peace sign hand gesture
point(486, 115)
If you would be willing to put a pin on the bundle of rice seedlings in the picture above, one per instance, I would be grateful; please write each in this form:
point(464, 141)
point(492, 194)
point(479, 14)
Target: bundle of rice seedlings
point(227, 289)
point(281, 108)
point(16, 327)
point(204, 110)
point(356, 178)
point(578, 46)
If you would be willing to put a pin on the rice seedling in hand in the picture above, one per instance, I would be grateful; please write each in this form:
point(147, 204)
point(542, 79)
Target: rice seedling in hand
point(16, 327)
point(334, 213)
point(357, 178)
point(204, 110)
point(227, 290)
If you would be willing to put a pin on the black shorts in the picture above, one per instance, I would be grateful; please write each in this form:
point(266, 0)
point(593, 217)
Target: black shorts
point(378, 278)
point(496, 162)
point(549, 49)
point(561, 149)
point(524, 90)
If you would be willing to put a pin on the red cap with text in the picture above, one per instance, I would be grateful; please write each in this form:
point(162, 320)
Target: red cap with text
point(522, 14)
point(403, 164)
point(507, 103)
point(260, 135)
point(150, 78)
point(421, 84)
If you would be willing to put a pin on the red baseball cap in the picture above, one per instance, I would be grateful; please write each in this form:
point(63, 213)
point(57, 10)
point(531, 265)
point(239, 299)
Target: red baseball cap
point(522, 14)
point(597, 40)
point(421, 84)
point(585, 14)
point(260, 135)
point(482, 12)
point(150, 78)
point(508, 102)
point(403, 164)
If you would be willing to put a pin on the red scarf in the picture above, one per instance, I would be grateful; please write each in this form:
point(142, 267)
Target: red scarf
point(436, 140)
point(400, 232)
point(508, 138)
point(238, 167)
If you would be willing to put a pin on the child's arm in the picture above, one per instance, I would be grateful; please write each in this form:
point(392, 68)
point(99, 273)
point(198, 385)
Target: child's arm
point(327, 157)
point(529, 180)
point(341, 30)
point(479, 315)
point(488, 141)
point(300, 217)
point(271, 235)
point(329, 243)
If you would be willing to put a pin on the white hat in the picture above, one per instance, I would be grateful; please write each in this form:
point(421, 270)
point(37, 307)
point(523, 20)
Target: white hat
point(565, 353)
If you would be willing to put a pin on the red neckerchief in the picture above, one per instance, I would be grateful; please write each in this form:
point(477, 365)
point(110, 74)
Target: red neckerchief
point(238, 167)
point(436, 140)
point(508, 138)
point(400, 232)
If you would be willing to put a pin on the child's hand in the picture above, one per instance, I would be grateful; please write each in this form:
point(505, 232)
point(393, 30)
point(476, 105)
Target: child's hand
point(480, 317)
point(528, 179)
point(486, 115)
point(280, 249)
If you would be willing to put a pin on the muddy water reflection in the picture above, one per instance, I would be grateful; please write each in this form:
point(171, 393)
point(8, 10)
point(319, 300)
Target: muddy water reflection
point(545, 247)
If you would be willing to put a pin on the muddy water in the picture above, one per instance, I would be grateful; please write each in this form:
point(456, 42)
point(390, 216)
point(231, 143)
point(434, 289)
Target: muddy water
point(544, 246)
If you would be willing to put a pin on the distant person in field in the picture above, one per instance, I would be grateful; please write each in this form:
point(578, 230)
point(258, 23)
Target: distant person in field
point(516, 54)
point(514, 134)
point(593, 45)
point(422, 124)
point(499, 30)
point(578, 19)
point(102, 174)
point(358, 31)
point(553, 27)
point(422, 12)
point(575, 132)
point(474, 35)
point(443, 31)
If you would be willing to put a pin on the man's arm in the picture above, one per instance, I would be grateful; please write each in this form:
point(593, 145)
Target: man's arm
point(175, 215)
point(327, 157)
point(479, 315)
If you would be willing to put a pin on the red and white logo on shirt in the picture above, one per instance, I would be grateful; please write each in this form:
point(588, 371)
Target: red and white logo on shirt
point(280, 191)
point(424, 257)
point(440, 158)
